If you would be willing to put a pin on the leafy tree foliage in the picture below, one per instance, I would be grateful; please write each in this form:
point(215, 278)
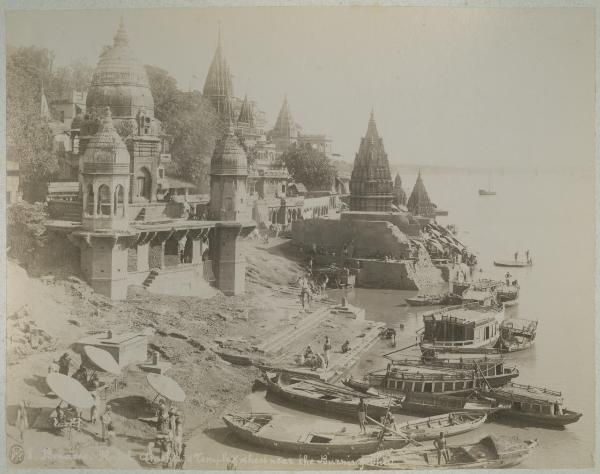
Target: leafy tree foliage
point(25, 230)
point(193, 124)
point(310, 167)
point(29, 138)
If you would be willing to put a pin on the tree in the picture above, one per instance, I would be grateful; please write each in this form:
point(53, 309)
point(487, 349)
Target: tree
point(29, 137)
point(310, 167)
point(193, 124)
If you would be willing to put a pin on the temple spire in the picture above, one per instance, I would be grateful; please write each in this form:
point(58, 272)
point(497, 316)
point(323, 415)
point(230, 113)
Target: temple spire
point(121, 38)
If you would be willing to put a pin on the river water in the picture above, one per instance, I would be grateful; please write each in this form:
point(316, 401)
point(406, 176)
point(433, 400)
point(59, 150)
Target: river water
point(553, 217)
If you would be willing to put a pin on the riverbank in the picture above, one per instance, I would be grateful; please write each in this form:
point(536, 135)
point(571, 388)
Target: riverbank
point(188, 332)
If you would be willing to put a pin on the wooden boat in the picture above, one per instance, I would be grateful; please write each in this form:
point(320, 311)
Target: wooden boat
point(286, 434)
point(433, 403)
point(451, 424)
point(329, 399)
point(534, 405)
point(461, 328)
point(491, 367)
point(516, 335)
point(488, 453)
point(424, 300)
point(512, 263)
point(507, 293)
point(487, 192)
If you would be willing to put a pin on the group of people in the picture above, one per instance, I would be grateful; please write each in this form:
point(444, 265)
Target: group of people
point(314, 360)
point(169, 438)
point(527, 257)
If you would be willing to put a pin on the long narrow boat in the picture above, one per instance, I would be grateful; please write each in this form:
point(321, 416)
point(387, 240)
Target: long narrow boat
point(512, 263)
point(452, 424)
point(329, 399)
point(424, 300)
point(488, 453)
point(516, 335)
point(285, 434)
point(534, 405)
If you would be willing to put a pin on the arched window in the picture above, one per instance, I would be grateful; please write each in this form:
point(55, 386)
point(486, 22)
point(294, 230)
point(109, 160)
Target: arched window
point(89, 205)
point(119, 201)
point(104, 200)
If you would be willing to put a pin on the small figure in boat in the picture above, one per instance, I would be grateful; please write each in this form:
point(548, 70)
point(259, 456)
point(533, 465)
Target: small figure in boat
point(516, 256)
point(308, 352)
point(388, 421)
point(527, 255)
point(507, 276)
point(442, 450)
point(450, 419)
point(345, 347)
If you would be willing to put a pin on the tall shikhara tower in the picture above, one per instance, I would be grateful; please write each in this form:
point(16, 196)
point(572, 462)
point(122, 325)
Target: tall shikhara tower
point(371, 182)
point(218, 86)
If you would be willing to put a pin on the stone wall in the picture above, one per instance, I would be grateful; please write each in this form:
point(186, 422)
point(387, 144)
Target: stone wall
point(368, 237)
point(392, 275)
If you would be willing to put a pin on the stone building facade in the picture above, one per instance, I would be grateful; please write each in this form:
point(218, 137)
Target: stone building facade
point(125, 234)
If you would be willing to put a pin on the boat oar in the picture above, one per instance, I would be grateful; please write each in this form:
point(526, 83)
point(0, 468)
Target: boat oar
point(402, 435)
point(403, 349)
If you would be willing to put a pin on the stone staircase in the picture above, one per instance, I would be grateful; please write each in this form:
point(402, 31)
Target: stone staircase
point(150, 278)
point(275, 344)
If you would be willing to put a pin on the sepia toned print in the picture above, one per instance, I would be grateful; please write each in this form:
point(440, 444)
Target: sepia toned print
point(300, 238)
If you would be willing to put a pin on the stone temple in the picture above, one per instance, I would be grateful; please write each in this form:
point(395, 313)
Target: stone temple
point(125, 232)
point(384, 246)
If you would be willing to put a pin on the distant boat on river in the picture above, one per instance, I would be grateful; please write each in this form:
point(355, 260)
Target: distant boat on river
point(513, 263)
point(489, 191)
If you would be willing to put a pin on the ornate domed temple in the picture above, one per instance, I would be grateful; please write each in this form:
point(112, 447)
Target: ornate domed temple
point(126, 231)
point(371, 182)
point(120, 82)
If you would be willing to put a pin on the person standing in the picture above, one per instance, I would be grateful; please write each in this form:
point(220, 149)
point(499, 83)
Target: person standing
point(362, 415)
point(64, 363)
point(95, 408)
point(22, 422)
point(441, 447)
point(106, 421)
point(516, 256)
point(326, 349)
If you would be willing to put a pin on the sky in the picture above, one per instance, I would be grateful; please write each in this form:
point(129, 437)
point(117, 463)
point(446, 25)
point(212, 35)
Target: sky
point(481, 87)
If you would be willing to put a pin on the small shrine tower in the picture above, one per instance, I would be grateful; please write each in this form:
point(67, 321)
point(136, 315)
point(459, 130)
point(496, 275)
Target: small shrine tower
point(228, 175)
point(229, 204)
point(105, 174)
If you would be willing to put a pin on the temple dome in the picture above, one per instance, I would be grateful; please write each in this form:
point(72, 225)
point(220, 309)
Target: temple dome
point(106, 152)
point(120, 82)
point(229, 158)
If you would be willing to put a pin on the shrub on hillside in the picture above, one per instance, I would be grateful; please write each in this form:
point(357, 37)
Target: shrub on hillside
point(25, 231)
point(36, 249)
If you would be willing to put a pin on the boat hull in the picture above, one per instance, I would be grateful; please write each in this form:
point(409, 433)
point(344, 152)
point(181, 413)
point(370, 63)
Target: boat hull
point(440, 347)
point(427, 430)
point(346, 409)
point(426, 458)
point(540, 419)
point(511, 264)
point(334, 449)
